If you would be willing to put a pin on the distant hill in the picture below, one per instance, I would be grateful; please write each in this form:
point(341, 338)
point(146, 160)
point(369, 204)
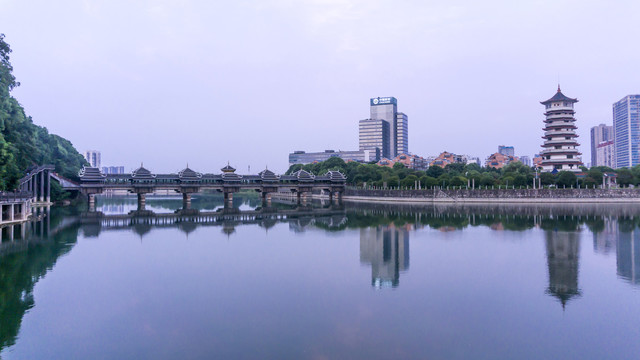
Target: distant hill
point(22, 143)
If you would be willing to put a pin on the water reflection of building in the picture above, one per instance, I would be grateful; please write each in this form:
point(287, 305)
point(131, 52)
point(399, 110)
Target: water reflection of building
point(386, 249)
point(604, 238)
point(563, 251)
point(628, 255)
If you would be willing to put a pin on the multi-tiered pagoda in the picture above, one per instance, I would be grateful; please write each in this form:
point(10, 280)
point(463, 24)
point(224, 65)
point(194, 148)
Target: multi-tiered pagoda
point(560, 146)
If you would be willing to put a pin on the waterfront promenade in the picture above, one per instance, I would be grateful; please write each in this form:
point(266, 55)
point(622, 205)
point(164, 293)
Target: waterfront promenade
point(495, 195)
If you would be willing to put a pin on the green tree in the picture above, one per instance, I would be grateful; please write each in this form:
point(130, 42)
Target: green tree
point(625, 177)
point(393, 181)
point(443, 180)
point(487, 180)
point(547, 178)
point(458, 181)
point(435, 171)
point(409, 181)
point(456, 168)
point(428, 182)
point(521, 180)
point(566, 179)
point(23, 143)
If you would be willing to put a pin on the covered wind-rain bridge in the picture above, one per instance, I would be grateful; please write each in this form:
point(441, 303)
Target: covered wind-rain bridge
point(186, 182)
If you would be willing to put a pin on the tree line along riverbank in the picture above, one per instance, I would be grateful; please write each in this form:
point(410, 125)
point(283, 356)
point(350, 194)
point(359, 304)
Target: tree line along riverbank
point(514, 174)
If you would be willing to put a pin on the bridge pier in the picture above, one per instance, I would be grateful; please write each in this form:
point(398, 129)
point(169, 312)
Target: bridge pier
point(142, 201)
point(41, 194)
point(228, 199)
point(91, 199)
point(34, 188)
point(266, 199)
point(48, 192)
point(338, 197)
point(186, 201)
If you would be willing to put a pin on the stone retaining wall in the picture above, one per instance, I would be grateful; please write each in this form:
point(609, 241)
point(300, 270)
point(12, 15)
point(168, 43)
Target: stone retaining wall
point(510, 195)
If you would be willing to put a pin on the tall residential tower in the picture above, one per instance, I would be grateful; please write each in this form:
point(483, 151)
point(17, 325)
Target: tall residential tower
point(93, 158)
point(560, 146)
point(599, 134)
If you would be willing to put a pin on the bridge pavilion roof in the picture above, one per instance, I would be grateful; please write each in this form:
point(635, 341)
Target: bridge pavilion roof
point(228, 169)
point(142, 174)
point(90, 174)
point(336, 176)
point(187, 174)
point(231, 176)
point(303, 175)
point(268, 175)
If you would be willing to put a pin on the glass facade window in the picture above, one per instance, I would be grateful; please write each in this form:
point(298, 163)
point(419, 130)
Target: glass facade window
point(386, 108)
point(402, 134)
point(626, 129)
point(374, 137)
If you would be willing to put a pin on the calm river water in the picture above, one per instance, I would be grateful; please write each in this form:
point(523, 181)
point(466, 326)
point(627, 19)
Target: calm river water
point(353, 282)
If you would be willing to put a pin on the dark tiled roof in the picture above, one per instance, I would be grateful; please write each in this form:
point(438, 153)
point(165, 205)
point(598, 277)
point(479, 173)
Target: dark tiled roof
point(141, 174)
point(231, 176)
point(228, 169)
point(559, 96)
point(268, 175)
point(336, 176)
point(188, 174)
point(90, 174)
point(303, 175)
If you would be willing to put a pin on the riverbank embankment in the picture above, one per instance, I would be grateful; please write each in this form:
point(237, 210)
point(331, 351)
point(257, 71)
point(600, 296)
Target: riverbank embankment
point(495, 196)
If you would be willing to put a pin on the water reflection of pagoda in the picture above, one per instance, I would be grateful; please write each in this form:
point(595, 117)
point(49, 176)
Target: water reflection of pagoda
point(386, 249)
point(563, 251)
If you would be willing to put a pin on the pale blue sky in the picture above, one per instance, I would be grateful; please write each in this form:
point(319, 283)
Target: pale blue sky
point(206, 82)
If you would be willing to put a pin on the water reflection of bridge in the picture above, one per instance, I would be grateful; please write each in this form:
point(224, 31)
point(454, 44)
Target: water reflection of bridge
point(299, 218)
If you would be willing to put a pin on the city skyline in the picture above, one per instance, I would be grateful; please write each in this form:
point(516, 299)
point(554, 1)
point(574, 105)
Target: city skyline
point(469, 78)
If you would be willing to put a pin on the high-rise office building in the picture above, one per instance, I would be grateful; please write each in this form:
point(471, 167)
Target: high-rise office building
point(599, 134)
point(93, 158)
point(374, 138)
point(506, 150)
point(560, 146)
point(525, 159)
point(626, 131)
point(303, 157)
point(386, 109)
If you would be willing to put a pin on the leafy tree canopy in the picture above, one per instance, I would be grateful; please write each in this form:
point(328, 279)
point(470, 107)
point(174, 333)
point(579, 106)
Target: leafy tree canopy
point(22, 143)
